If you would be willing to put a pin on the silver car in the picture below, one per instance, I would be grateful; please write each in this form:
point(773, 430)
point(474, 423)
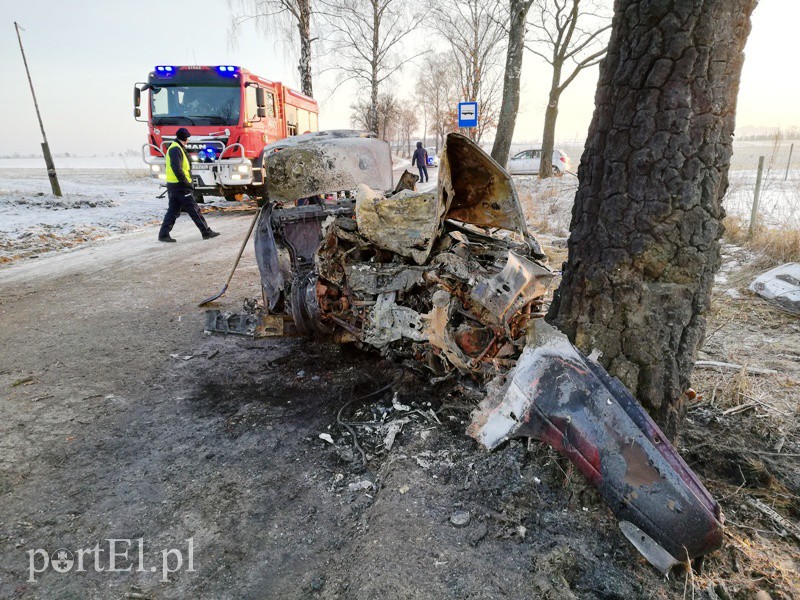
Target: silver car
point(527, 162)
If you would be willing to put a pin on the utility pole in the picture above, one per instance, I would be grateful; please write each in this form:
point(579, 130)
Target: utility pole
point(48, 158)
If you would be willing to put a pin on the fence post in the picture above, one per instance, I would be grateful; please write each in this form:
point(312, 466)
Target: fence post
point(788, 162)
point(754, 213)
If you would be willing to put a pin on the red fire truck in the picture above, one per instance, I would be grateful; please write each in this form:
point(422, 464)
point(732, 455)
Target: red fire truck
point(231, 115)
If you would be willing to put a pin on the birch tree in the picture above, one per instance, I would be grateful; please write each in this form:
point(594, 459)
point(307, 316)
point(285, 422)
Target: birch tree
point(436, 91)
point(366, 38)
point(281, 16)
point(474, 35)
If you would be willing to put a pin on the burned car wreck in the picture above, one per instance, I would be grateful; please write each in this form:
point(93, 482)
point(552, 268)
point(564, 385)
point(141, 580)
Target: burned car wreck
point(453, 279)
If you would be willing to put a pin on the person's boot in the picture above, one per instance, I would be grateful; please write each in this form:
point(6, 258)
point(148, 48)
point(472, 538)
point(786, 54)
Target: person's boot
point(167, 238)
point(210, 234)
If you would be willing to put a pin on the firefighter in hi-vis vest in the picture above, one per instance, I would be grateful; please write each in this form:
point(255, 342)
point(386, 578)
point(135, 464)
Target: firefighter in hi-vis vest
point(179, 190)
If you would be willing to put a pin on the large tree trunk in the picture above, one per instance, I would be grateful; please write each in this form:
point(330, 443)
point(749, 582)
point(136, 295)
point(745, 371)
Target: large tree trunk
point(304, 25)
point(644, 242)
point(510, 104)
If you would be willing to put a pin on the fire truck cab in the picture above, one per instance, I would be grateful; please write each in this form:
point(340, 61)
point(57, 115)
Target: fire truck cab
point(231, 115)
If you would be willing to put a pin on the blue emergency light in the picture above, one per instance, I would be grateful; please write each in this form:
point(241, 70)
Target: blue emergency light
point(166, 71)
point(227, 70)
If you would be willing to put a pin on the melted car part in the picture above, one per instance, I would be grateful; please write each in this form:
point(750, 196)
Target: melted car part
point(324, 162)
point(255, 325)
point(558, 396)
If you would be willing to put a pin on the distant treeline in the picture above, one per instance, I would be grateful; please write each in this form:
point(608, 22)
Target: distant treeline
point(776, 135)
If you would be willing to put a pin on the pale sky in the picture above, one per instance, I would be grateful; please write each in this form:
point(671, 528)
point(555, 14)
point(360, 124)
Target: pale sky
point(86, 55)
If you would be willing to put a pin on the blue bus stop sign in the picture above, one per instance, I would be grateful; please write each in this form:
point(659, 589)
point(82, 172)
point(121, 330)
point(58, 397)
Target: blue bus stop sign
point(467, 114)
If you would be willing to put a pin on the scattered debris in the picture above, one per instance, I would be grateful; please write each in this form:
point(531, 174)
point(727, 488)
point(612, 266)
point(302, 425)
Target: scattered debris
point(460, 518)
point(24, 381)
point(397, 405)
point(788, 527)
point(455, 281)
point(255, 325)
point(359, 486)
point(392, 429)
point(723, 366)
point(781, 286)
point(326, 437)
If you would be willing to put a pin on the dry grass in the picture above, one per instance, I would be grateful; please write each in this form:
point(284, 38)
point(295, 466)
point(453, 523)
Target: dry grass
point(780, 245)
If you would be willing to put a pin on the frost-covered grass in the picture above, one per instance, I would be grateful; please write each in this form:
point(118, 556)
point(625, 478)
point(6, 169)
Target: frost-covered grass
point(548, 209)
point(96, 203)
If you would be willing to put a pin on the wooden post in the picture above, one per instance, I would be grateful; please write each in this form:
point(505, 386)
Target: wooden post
point(48, 158)
point(754, 213)
point(788, 162)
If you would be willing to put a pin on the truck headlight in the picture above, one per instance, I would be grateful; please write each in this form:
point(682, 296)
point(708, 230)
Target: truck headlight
point(155, 168)
point(243, 168)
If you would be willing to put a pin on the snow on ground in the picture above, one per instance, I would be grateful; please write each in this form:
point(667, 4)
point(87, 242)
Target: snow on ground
point(96, 203)
point(548, 204)
point(133, 165)
point(779, 201)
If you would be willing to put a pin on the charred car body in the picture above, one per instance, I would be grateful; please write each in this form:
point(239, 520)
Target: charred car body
point(453, 279)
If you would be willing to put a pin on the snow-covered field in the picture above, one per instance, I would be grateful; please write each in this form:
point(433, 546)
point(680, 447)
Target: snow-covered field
point(132, 165)
point(97, 203)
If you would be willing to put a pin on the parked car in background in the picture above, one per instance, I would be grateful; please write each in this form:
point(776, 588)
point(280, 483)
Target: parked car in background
point(527, 162)
point(433, 158)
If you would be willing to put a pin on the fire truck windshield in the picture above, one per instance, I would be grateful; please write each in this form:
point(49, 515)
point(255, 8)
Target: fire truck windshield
point(195, 105)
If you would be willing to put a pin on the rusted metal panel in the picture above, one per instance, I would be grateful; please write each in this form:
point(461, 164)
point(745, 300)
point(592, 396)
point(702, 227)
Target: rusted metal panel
point(477, 190)
point(568, 401)
point(405, 222)
point(253, 325)
point(325, 162)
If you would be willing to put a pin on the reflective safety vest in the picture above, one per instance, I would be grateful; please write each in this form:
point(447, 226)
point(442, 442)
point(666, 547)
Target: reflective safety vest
point(171, 177)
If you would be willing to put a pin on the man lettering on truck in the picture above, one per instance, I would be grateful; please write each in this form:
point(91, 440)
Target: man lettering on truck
point(180, 192)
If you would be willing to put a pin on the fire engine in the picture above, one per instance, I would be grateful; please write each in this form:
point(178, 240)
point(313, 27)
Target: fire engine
point(231, 115)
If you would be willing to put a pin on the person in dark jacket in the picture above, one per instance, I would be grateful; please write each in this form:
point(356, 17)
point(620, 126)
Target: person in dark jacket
point(180, 191)
point(421, 159)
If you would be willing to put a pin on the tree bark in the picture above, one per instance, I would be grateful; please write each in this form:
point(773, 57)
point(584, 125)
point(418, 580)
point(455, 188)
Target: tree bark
point(507, 120)
point(644, 242)
point(373, 96)
point(549, 136)
point(304, 26)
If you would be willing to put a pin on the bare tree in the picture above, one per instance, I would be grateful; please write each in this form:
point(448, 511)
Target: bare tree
point(407, 123)
point(367, 36)
point(644, 241)
point(571, 36)
point(436, 90)
point(282, 16)
point(507, 120)
point(387, 112)
point(472, 30)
